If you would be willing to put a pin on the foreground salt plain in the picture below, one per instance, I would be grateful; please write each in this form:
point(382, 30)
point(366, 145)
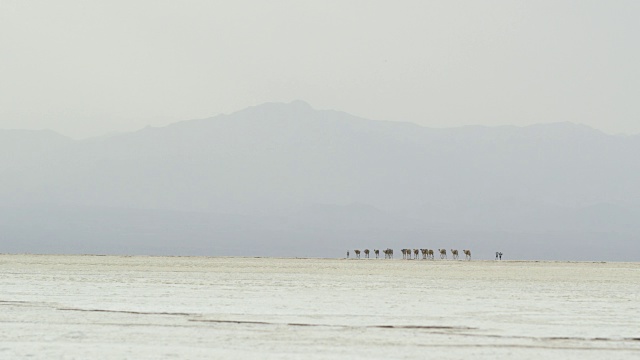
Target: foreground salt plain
point(110, 307)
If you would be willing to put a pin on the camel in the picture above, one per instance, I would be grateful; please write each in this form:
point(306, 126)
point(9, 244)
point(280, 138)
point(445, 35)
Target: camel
point(366, 253)
point(377, 252)
point(388, 254)
point(424, 252)
point(415, 253)
point(443, 253)
point(454, 254)
point(357, 252)
point(430, 254)
point(467, 254)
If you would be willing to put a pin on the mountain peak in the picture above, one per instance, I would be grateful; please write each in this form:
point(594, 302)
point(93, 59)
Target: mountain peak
point(300, 104)
point(293, 106)
point(296, 109)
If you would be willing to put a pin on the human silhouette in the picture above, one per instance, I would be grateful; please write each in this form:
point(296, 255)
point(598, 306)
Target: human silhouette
point(347, 254)
point(500, 256)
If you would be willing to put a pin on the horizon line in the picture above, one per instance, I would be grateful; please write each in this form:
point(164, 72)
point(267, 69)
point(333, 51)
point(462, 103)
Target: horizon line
point(298, 101)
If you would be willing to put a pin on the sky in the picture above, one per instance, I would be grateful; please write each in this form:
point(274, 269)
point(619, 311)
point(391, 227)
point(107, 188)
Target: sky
point(90, 68)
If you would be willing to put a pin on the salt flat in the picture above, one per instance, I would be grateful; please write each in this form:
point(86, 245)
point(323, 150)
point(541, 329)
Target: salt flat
point(114, 307)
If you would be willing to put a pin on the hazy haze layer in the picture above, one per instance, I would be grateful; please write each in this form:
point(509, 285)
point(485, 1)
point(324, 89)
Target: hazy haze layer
point(288, 180)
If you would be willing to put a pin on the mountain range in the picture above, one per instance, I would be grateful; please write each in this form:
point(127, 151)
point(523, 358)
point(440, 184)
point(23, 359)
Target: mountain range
point(288, 180)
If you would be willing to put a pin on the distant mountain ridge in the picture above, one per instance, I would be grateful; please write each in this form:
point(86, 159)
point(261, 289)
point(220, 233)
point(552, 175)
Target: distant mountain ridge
point(291, 170)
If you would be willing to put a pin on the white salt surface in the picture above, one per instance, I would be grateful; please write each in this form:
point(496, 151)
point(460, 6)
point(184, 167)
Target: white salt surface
point(110, 307)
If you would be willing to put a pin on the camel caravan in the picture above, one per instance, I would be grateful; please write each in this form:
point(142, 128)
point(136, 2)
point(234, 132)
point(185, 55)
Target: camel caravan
point(414, 254)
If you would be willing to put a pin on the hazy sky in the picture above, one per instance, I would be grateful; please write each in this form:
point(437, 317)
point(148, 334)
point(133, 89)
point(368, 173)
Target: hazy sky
point(86, 68)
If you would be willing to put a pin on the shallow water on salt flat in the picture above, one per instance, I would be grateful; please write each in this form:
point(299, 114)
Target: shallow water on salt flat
point(198, 307)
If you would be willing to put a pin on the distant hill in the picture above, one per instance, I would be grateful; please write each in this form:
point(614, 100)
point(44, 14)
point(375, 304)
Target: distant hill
point(288, 180)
